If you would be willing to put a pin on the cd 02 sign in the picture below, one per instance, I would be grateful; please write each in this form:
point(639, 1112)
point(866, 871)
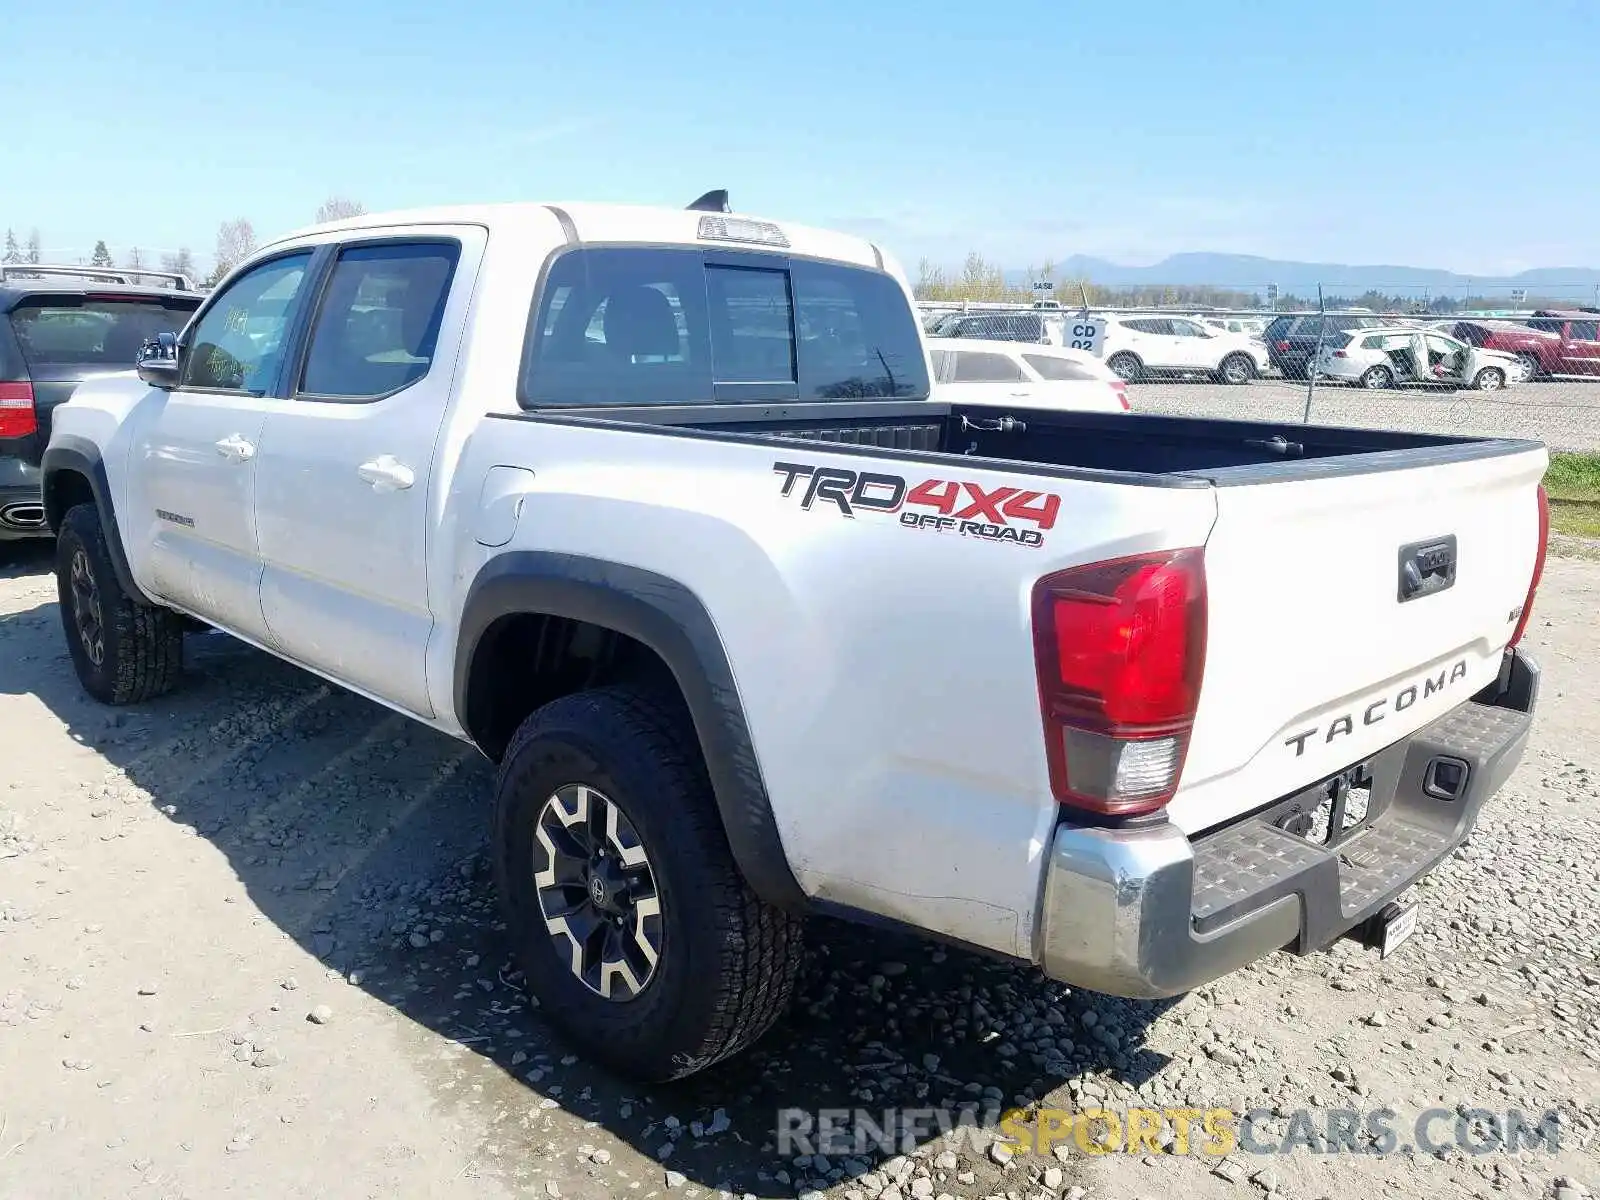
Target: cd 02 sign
point(1083, 333)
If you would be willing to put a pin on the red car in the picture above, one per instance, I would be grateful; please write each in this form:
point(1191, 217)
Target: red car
point(1538, 345)
point(1577, 337)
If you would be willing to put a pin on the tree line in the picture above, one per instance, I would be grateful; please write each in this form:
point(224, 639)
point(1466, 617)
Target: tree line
point(236, 241)
point(982, 280)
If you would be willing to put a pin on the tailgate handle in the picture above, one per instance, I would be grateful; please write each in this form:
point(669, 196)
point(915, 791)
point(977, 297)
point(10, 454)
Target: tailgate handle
point(1427, 567)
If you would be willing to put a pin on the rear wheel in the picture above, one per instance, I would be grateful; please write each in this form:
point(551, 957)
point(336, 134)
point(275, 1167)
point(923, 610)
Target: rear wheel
point(123, 651)
point(1127, 366)
point(626, 912)
point(1490, 379)
point(1237, 369)
point(1377, 378)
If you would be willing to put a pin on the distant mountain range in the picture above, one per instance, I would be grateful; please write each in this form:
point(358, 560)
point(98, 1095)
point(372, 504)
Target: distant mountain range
point(1248, 272)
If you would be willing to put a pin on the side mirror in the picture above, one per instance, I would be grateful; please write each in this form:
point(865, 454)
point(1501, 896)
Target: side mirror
point(158, 362)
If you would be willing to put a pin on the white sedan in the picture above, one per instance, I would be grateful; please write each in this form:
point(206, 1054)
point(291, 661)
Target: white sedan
point(1139, 346)
point(1023, 374)
point(1419, 357)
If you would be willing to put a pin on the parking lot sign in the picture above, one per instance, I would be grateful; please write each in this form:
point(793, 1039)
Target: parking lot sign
point(1084, 332)
point(1519, 295)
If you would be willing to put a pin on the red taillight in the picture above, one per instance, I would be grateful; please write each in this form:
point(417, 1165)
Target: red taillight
point(1538, 567)
point(1120, 648)
point(1283, 345)
point(1121, 389)
point(17, 417)
point(1340, 354)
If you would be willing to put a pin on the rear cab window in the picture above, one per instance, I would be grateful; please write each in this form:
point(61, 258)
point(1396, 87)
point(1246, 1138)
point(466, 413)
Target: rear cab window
point(1050, 367)
point(618, 325)
point(985, 367)
point(95, 333)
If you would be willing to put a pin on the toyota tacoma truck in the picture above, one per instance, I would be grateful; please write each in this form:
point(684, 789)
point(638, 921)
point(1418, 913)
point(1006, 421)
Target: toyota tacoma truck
point(654, 508)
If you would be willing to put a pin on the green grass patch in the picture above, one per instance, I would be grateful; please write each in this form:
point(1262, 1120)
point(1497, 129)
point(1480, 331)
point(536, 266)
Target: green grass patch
point(1573, 482)
point(1575, 518)
point(1573, 477)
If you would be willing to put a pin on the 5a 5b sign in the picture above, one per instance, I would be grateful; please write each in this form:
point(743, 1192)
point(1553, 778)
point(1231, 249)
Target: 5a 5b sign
point(958, 506)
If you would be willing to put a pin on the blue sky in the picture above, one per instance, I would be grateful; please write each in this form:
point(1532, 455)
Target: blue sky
point(1448, 133)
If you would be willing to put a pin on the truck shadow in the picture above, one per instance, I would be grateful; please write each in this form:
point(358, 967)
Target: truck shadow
point(361, 835)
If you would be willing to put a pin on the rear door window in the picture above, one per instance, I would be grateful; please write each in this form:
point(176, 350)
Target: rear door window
point(92, 332)
point(1051, 367)
point(379, 320)
point(978, 367)
point(677, 325)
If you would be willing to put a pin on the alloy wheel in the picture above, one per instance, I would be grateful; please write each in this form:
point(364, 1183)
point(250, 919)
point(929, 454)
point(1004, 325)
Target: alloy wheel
point(86, 611)
point(597, 892)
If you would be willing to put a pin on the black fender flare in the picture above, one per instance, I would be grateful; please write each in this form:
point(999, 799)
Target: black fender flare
point(78, 455)
point(668, 617)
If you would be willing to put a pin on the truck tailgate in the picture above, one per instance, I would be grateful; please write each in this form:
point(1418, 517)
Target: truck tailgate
point(1314, 661)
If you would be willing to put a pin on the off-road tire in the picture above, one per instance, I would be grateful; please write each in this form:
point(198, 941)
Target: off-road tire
point(140, 645)
point(727, 962)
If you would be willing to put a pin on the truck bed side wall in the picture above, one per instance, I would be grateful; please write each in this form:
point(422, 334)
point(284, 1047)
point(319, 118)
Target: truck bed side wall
point(885, 671)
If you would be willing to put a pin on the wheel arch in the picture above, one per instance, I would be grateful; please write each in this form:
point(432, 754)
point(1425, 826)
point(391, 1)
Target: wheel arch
point(666, 619)
point(74, 472)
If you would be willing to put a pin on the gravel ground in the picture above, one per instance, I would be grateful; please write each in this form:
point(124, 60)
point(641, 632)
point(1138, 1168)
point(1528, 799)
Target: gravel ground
point(1565, 414)
point(248, 948)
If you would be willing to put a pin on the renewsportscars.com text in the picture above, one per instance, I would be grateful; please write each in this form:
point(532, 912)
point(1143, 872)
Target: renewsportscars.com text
point(1213, 1132)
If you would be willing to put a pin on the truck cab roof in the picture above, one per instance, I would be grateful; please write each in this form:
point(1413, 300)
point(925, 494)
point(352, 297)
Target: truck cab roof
point(587, 221)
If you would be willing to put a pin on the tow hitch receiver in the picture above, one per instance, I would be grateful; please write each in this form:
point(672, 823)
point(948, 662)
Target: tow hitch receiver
point(1388, 928)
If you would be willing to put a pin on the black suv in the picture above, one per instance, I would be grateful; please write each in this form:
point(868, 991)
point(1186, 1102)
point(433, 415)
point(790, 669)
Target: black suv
point(58, 325)
point(1292, 338)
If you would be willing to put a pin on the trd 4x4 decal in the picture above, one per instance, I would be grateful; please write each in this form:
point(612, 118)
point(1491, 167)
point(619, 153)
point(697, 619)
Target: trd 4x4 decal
point(944, 505)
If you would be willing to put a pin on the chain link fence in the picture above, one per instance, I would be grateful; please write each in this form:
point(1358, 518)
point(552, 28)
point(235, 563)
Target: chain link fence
point(1473, 360)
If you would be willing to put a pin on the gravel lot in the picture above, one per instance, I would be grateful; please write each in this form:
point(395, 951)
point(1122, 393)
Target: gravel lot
point(1564, 414)
point(247, 948)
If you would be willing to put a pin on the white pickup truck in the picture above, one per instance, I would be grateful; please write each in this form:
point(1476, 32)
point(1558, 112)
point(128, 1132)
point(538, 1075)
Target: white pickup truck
point(654, 508)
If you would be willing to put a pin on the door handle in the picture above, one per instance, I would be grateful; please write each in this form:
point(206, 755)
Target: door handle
point(386, 473)
point(235, 448)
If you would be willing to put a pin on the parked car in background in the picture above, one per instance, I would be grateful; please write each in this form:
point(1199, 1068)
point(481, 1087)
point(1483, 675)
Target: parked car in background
point(1415, 357)
point(1579, 332)
point(59, 325)
point(1538, 351)
point(975, 371)
point(1018, 326)
point(1291, 339)
point(1249, 326)
point(1139, 346)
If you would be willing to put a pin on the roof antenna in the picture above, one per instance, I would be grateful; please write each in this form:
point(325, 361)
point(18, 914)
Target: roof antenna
point(715, 200)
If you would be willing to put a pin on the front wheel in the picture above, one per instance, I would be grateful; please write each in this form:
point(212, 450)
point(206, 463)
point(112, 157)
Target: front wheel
point(1527, 368)
point(1127, 366)
point(1237, 369)
point(1490, 379)
point(123, 651)
point(642, 942)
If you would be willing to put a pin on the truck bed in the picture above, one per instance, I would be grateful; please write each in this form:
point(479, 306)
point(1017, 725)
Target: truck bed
point(1130, 448)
